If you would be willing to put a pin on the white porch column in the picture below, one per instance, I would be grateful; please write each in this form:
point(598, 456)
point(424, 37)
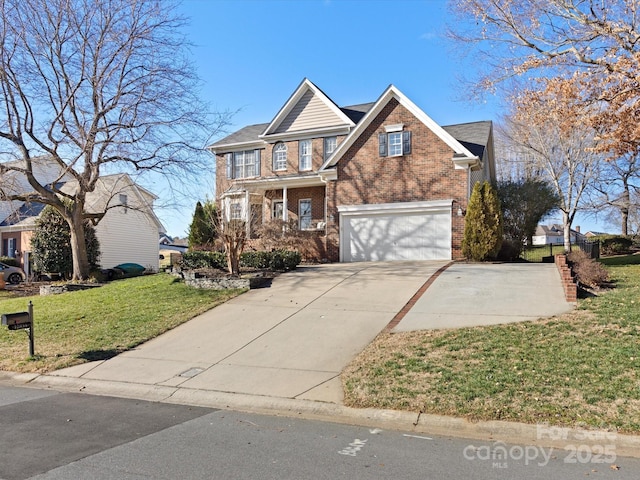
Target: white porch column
point(247, 210)
point(285, 208)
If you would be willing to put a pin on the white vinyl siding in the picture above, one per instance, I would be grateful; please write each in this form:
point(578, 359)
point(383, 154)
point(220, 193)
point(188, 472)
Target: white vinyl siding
point(310, 112)
point(130, 238)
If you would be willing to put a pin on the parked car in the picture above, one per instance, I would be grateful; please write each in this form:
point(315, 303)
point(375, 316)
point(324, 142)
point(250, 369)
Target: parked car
point(12, 274)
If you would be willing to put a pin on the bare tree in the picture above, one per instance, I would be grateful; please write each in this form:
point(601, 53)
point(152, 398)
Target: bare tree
point(594, 41)
point(91, 87)
point(563, 150)
point(616, 189)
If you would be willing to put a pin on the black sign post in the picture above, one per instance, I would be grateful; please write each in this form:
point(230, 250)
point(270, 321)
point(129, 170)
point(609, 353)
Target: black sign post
point(20, 321)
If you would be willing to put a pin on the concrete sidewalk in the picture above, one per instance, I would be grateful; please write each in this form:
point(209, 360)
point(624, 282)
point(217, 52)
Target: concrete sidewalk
point(290, 340)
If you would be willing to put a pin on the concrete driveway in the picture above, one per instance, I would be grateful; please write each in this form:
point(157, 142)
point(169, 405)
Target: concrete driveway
point(293, 339)
point(472, 294)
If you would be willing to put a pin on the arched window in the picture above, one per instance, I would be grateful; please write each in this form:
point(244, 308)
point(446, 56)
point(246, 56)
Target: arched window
point(280, 156)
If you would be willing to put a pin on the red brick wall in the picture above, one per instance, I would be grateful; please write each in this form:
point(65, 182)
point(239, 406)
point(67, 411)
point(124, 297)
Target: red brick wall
point(364, 177)
point(426, 174)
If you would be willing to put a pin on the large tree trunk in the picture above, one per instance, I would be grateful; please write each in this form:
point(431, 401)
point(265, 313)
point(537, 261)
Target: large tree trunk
point(78, 245)
point(567, 231)
point(624, 208)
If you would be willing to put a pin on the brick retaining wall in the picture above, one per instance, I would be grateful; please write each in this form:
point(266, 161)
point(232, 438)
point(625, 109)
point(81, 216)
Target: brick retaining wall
point(566, 276)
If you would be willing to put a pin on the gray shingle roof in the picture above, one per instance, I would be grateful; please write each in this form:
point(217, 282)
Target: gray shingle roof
point(249, 133)
point(473, 136)
point(26, 210)
point(356, 112)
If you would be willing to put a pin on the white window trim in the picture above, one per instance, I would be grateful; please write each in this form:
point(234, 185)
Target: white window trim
point(233, 210)
point(308, 156)
point(245, 164)
point(389, 144)
point(273, 209)
point(12, 246)
point(310, 227)
point(327, 153)
point(398, 127)
point(280, 164)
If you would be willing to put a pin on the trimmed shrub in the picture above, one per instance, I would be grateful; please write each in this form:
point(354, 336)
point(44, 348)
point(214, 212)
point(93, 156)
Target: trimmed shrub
point(201, 259)
point(614, 244)
point(281, 260)
point(588, 271)
point(284, 260)
point(483, 224)
point(259, 259)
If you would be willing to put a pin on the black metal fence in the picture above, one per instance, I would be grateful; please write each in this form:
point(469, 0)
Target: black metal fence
point(545, 253)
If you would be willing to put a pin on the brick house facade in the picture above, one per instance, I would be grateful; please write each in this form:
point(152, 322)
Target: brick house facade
point(378, 181)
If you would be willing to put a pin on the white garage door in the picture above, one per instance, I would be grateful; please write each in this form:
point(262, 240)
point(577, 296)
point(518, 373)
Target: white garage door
point(403, 231)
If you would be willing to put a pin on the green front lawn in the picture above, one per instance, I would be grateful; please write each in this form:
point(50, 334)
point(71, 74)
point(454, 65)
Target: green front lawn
point(537, 252)
point(581, 369)
point(76, 327)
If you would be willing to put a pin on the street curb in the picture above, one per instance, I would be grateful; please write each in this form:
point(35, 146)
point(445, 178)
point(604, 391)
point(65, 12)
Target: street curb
point(542, 435)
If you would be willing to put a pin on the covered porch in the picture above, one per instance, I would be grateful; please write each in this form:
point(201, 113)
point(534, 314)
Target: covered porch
point(298, 203)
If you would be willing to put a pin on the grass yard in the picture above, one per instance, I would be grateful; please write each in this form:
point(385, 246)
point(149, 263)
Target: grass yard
point(77, 327)
point(537, 252)
point(581, 369)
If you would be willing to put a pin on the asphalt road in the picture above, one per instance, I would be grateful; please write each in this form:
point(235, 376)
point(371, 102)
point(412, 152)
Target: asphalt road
point(50, 435)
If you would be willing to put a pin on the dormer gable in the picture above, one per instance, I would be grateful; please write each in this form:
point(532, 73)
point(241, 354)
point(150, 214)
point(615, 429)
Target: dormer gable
point(306, 112)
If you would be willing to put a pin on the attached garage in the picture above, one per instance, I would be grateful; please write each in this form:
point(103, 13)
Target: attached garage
point(395, 231)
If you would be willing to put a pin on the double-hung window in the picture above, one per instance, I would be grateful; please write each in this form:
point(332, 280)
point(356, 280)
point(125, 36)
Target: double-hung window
point(280, 156)
point(305, 155)
point(245, 164)
point(277, 212)
point(235, 211)
point(304, 214)
point(330, 144)
point(124, 201)
point(395, 142)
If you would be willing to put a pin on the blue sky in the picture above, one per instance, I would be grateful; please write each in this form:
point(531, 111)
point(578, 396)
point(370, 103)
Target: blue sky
point(252, 54)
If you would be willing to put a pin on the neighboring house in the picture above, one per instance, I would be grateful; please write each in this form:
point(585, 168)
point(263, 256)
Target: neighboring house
point(172, 243)
point(171, 249)
point(554, 234)
point(128, 232)
point(591, 234)
point(376, 181)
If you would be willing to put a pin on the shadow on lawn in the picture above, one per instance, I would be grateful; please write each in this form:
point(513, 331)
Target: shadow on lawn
point(97, 355)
